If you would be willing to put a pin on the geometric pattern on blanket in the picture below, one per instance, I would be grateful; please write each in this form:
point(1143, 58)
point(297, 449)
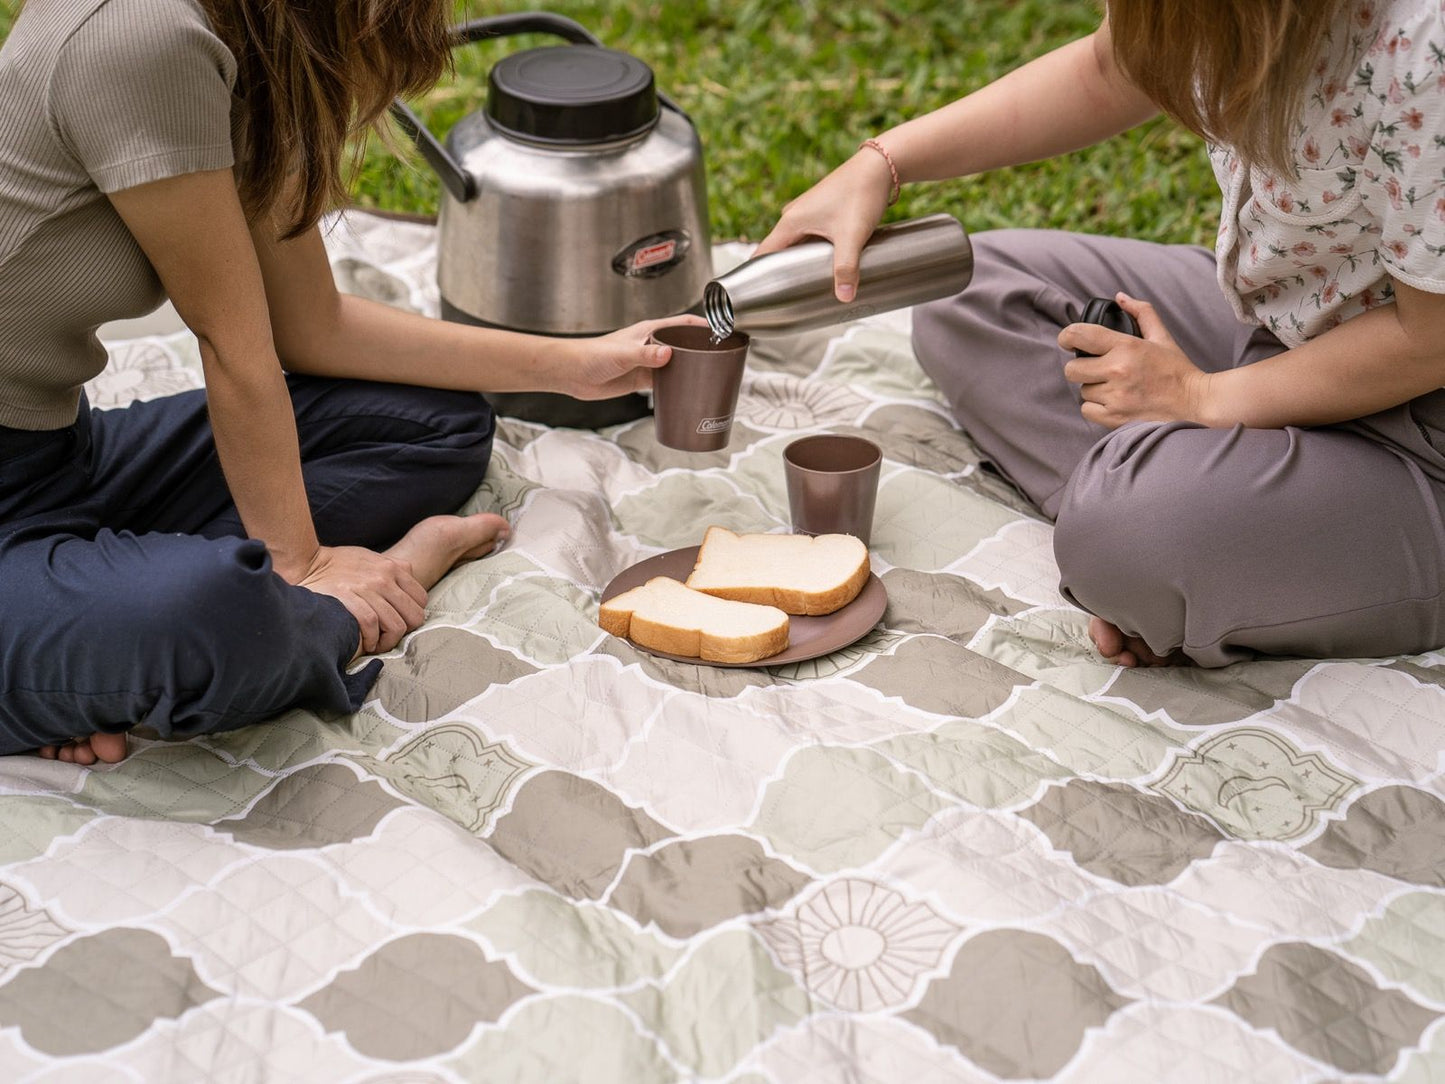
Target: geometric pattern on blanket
point(962, 849)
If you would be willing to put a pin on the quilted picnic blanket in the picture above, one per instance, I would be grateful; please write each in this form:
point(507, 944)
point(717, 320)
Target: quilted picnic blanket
point(961, 849)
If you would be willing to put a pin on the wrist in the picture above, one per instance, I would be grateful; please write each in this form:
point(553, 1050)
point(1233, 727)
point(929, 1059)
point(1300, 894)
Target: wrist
point(550, 364)
point(293, 562)
point(563, 363)
point(1207, 401)
point(895, 183)
point(874, 173)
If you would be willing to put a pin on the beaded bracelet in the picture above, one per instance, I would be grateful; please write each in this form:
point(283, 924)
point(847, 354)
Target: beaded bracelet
point(892, 169)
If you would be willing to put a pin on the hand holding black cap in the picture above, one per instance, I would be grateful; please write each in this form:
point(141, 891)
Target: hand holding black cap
point(1106, 313)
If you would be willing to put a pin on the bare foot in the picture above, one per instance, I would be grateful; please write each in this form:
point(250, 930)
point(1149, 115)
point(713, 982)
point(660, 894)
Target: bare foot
point(106, 748)
point(438, 544)
point(1124, 650)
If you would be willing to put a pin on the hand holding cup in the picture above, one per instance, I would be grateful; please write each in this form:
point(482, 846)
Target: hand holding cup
point(696, 393)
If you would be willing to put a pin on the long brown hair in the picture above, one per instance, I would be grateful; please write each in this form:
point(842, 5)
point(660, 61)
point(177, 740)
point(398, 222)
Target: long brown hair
point(1233, 71)
point(312, 75)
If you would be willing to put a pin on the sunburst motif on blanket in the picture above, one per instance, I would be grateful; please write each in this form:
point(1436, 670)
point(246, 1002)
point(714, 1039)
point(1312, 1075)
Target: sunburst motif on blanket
point(143, 369)
point(356, 276)
point(785, 402)
point(858, 945)
point(845, 659)
point(25, 932)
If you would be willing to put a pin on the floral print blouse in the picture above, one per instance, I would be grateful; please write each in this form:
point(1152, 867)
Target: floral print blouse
point(1303, 254)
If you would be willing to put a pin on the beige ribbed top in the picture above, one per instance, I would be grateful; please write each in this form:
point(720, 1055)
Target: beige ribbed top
point(95, 96)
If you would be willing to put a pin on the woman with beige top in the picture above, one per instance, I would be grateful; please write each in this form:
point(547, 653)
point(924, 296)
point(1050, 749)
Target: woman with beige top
point(211, 559)
point(1261, 472)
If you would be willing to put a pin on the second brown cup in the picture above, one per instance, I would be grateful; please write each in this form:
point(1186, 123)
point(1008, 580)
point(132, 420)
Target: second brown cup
point(832, 484)
point(695, 393)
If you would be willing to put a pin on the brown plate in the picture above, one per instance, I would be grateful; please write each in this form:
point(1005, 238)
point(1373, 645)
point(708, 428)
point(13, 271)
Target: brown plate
point(808, 637)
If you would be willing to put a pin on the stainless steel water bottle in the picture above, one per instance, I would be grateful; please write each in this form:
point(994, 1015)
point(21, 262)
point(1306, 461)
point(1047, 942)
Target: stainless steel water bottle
point(902, 264)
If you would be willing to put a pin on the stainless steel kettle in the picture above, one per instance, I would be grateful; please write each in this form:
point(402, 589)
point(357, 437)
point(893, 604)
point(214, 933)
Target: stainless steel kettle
point(575, 201)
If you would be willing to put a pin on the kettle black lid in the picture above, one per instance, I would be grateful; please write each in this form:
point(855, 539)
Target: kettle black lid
point(572, 94)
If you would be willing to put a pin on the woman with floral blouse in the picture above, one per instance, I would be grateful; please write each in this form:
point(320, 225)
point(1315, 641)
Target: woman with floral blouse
point(1262, 471)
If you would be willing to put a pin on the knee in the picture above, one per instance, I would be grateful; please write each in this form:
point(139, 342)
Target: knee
point(463, 414)
point(467, 430)
point(1134, 525)
point(1002, 275)
point(213, 588)
point(465, 423)
point(1010, 294)
point(217, 625)
point(453, 446)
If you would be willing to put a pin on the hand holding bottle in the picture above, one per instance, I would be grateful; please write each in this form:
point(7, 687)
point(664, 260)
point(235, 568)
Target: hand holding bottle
point(845, 208)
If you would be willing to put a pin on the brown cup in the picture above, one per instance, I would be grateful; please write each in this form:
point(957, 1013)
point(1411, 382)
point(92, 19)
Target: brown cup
point(695, 393)
point(832, 484)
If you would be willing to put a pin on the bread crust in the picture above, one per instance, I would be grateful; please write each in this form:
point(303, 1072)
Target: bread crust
point(790, 600)
point(696, 643)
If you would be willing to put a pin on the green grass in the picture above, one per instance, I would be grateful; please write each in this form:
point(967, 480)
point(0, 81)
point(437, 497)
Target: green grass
point(783, 90)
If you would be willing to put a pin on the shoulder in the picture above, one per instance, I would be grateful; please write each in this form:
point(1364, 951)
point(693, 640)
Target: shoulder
point(126, 39)
point(1405, 42)
point(1411, 16)
point(141, 90)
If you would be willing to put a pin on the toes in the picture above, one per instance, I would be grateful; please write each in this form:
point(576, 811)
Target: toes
point(1107, 638)
point(495, 528)
point(492, 533)
point(1128, 651)
point(108, 748)
point(1147, 657)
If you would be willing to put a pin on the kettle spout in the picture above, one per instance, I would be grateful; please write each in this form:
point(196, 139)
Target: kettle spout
point(458, 182)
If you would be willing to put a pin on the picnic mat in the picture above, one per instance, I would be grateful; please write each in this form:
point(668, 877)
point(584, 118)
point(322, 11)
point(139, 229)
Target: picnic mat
point(961, 849)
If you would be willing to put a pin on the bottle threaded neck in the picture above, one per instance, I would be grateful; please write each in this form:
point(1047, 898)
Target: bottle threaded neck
point(718, 308)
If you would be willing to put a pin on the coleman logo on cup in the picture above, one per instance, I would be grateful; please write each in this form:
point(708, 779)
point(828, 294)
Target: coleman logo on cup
point(651, 256)
point(715, 425)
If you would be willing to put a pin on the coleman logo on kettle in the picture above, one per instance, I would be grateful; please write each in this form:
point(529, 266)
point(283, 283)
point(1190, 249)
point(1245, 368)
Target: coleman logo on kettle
point(654, 255)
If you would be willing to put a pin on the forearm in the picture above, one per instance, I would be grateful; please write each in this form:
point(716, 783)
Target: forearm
point(1364, 365)
point(255, 433)
point(1070, 98)
point(361, 339)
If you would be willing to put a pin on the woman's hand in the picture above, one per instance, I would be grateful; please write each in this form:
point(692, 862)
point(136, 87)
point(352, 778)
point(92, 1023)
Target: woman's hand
point(379, 591)
point(1133, 379)
point(613, 364)
point(845, 208)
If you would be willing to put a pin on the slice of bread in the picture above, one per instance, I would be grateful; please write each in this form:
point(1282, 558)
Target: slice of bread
point(664, 615)
point(796, 573)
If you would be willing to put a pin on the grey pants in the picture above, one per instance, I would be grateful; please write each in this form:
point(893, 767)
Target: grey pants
point(1226, 543)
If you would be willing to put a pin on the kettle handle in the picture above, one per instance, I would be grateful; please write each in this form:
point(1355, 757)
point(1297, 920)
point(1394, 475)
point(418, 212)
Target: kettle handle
point(523, 22)
point(458, 181)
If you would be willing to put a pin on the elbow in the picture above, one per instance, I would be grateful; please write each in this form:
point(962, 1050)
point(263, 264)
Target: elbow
point(303, 339)
point(1102, 51)
point(1134, 106)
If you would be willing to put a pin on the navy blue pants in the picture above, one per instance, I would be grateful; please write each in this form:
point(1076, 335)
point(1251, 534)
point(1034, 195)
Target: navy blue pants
point(129, 594)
